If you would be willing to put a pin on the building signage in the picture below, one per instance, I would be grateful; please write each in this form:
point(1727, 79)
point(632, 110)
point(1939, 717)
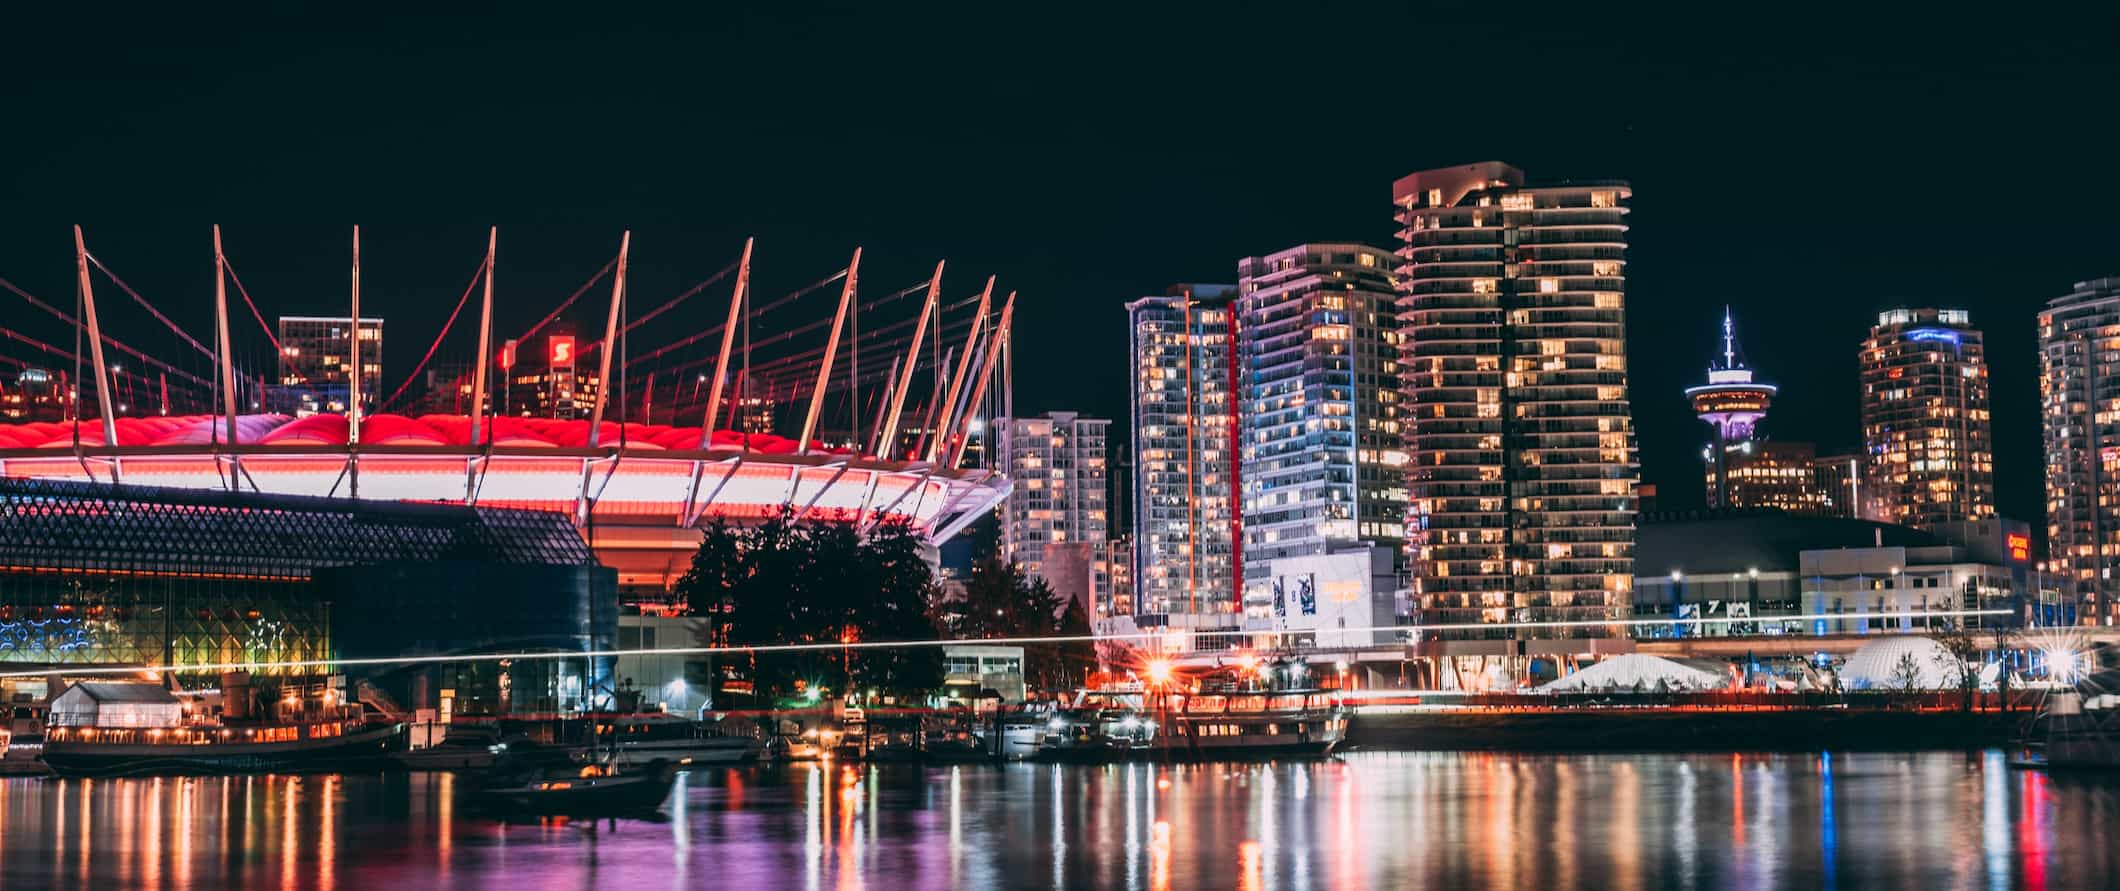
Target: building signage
point(2020, 546)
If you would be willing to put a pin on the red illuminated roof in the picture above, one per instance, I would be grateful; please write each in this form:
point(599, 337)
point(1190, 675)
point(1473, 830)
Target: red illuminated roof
point(388, 430)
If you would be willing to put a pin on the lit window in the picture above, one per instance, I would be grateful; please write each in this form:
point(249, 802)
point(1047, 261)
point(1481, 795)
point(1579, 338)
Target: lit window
point(1549, 285)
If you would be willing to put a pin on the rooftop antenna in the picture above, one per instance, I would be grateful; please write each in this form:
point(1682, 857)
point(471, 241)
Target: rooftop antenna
point(1729, 339)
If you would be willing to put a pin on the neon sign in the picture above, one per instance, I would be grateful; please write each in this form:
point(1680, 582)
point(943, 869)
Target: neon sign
point(2020, 546)
point(1942, 334)
point(560, 349)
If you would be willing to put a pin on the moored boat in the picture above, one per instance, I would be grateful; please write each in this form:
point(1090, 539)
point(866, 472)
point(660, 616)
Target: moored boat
point(136, 729)
point(1222, 715)
point(645, 738)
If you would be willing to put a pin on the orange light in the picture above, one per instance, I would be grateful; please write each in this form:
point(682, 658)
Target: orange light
point(1159, 671)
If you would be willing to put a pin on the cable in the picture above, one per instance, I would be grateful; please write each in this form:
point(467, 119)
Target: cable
point(416, 369)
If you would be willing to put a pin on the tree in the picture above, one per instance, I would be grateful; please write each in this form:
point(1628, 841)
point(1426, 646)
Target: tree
point(788, 582)
point(1959, 660)
point(1906, 673)
point(1000, 600)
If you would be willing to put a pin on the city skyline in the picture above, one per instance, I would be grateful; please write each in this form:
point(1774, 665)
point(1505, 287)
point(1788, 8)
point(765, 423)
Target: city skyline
point(908, 159)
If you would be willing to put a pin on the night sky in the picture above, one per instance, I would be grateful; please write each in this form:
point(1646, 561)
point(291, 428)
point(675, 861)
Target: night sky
point(1807, 167)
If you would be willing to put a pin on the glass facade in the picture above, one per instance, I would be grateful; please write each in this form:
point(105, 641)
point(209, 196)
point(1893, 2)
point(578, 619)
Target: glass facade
point(1185, 520)
point(1323, 463)
point(93, 574)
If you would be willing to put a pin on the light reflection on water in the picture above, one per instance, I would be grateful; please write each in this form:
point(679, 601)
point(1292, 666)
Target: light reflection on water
point(1368, 820)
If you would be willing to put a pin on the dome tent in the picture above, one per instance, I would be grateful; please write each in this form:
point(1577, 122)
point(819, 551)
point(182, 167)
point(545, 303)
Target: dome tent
point(1878, 665)
point(1633, 671)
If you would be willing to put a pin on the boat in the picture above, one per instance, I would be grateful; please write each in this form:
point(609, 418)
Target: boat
point(103, 728)
point(645, 738)
point(23, 743)
point(529, 782)
point(950, 739)
point(1021, 732)
point(1222, 715)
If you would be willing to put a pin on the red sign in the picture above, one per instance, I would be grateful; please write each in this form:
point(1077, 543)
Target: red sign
point(560, 349)
point(507, 356)
point(2020, 546)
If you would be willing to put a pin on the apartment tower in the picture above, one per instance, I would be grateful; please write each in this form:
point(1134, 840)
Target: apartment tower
point(1512, 296)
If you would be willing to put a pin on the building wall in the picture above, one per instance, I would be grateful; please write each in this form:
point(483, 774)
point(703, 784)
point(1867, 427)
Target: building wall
point(2079, 399)
point(1323, 459)
point(1902, 580)
point(1185, 522)
point(1057, 465)
point(1512, 324)
point(1925, 425)
point(1312, 598)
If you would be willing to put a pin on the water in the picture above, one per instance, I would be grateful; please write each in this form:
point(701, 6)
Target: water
point(1372, 820)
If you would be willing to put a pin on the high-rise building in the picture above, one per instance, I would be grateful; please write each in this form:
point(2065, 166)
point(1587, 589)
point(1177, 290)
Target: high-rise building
point(1929, 449)
point(1512, 332)
point(1732, 402)
point(316, 364)
point(1323, 462)
point(1186, 527)
point(1055, 521)
point(2079, 398)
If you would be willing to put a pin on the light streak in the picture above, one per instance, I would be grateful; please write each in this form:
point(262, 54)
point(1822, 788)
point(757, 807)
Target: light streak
point(988, 641)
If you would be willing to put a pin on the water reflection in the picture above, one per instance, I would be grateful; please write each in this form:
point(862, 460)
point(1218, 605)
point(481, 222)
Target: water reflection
point(1370, 820)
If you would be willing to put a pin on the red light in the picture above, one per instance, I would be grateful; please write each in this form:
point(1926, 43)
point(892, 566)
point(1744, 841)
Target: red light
point(507, 356)
point(2020, 546)
point(560, 350)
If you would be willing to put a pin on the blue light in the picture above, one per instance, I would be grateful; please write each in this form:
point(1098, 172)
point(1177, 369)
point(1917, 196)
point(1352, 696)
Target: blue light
point(1942, 334)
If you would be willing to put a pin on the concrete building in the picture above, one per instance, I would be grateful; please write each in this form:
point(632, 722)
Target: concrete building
point(1513, 364)
point(1929, 449)
point(1055, 518)
point(1760, 570)
point(2079, 400)
point(1187, 539)
point(316, 365)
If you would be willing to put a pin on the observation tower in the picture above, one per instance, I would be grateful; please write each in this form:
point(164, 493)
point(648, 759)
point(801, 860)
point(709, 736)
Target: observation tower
point(1732, 402)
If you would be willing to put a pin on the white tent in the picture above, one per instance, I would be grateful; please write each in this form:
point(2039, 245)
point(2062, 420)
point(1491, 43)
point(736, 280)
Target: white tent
point(1900, 662)
point(1640, 671)
point(116, 704)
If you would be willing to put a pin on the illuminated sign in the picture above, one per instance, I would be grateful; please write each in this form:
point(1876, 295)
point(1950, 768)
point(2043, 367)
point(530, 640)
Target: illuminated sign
point(560, 349)
point(1947, 336)
point(2020, 546)
point(507, 356)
